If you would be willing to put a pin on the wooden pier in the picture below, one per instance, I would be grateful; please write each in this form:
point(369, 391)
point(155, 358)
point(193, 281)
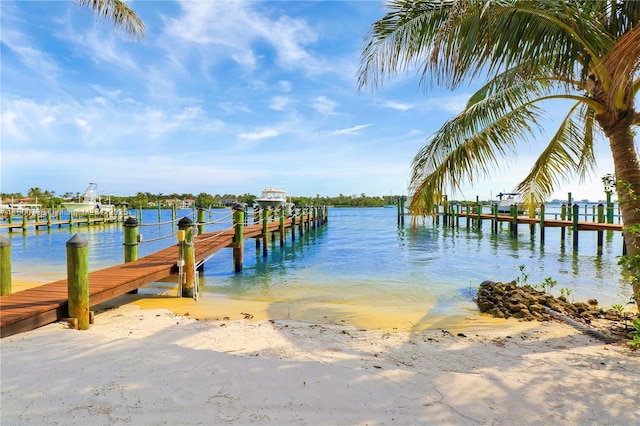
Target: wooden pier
point(451, 215)
point(33, 308)
point(51, 221)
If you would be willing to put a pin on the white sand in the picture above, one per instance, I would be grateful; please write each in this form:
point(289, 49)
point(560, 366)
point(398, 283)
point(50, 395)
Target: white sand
point(151, 367)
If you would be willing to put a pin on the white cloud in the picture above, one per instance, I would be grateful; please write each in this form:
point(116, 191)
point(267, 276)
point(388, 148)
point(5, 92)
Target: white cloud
point(261, 134)
point(324, 105)
point(29, 54)
point(401, 106)
point(235, 29)
point(279, 103)
point(355, 130)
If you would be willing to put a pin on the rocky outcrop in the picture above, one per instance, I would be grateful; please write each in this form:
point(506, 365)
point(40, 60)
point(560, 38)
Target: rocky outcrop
point(527, 304)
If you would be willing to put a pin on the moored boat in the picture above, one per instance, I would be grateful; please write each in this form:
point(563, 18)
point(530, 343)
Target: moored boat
point(506, 200)
point(90, 202)
point(272, 198)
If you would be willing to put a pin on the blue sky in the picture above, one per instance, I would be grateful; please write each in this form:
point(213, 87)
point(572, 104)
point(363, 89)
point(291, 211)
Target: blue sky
point(219, 97)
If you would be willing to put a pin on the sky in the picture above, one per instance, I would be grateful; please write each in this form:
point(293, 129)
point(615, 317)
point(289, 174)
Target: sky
point(222, 98)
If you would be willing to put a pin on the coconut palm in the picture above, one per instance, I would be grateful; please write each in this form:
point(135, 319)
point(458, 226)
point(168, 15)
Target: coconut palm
point(118, 12)
point(586, 53)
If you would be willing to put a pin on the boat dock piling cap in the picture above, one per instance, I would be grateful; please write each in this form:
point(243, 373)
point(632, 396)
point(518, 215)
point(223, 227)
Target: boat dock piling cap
point(77, 241)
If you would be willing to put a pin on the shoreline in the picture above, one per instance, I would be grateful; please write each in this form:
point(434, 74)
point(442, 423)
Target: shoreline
point(151, 366)
point(217, 307)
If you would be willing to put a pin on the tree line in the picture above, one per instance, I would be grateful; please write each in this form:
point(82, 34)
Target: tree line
point(51, 200)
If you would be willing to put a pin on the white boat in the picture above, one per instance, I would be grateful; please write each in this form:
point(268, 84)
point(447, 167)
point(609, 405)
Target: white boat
point(90, 202)
point(506, 200)
point(272, 198)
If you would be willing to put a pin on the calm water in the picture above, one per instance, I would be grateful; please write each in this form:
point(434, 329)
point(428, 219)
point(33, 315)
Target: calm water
point(360, 258)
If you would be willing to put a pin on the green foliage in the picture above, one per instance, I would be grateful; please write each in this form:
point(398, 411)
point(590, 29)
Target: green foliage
point(565, 291)
point(522, 279)
point(618, 307)
point(548, 284)
point(635, 335)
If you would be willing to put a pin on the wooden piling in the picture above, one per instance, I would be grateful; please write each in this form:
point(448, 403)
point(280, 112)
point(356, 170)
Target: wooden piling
point(574, 226)
point(201, 221)
point(130, 239)
point(238, 238)
point(293, 224)
point(609, 208)
point(273, 218)
point(187, 257)
point(282, 229)
point(514, 221)
point(78, 280)
point(301, 222)
point(256, 220)
point(5, 266)
point(563, 230)
point(265, 232)
point(600, 233)
point(542, 213)
point(131, 242)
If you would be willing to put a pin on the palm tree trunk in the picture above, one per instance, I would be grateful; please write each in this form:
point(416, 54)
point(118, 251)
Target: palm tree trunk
point(627, 171)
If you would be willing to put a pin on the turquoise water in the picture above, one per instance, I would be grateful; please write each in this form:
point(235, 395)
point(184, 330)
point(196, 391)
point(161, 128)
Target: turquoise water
point(360, 257)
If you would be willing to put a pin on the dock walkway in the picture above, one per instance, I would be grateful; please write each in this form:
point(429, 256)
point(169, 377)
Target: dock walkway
point(35, 307)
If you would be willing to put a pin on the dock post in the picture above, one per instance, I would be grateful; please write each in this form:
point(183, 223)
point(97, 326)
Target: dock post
point(494, 222)
point(542, 224)
point(466, 210)
point(48, 220)
point(188, 258)
point(574, 226)
point(563, 216)
point(5, 266)
point(600, 233)
point(293, 224)
point(131, 242)
point(265, 232)
point(283, 231)
point(570, 209)
point(274, 213)
point(609, 208)
point(24, 222)
point(238, 237)
point(301, 222)
point(201, 221)
point(256, 220)
point(130, 239)
point(514, 221)
point(78, 280)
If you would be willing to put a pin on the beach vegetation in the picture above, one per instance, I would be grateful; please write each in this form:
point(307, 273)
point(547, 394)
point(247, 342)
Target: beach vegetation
point(522, 279)
point(537, 57)
point(635, 334)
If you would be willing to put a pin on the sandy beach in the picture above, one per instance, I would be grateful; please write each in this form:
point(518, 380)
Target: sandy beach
point(153, 367)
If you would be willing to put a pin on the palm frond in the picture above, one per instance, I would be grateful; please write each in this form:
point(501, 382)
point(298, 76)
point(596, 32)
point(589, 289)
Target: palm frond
point(569, 153)
point(118, 12)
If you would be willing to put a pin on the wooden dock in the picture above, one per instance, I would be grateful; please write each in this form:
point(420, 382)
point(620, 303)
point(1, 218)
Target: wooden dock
point(33, 308)
point(548, 223)
point(54, 222)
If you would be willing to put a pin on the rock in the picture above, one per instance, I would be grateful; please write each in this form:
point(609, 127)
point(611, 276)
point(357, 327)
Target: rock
point(485, 306)
point(612, 315)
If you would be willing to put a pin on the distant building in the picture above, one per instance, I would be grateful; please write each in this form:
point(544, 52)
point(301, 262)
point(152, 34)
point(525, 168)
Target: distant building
point(178, 203)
